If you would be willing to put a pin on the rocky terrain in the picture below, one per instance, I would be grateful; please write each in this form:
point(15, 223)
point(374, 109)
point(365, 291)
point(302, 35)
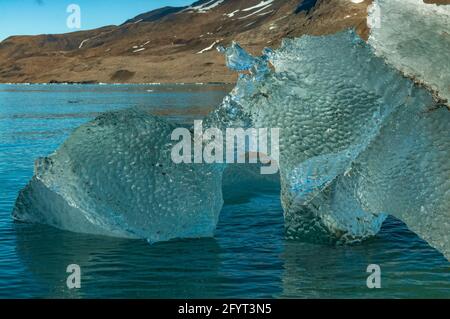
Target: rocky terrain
point(174, 44)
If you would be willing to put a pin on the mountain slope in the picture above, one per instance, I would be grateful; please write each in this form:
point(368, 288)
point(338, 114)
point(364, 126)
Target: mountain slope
point(173, 44)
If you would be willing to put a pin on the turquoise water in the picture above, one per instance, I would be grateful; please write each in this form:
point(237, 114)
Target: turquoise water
point(247, 258)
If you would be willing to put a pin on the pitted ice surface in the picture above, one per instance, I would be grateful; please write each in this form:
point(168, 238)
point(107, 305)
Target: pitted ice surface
point(358, 141)
point(115, 176)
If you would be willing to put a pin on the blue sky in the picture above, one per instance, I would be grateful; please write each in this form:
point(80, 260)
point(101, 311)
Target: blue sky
point(19, 17)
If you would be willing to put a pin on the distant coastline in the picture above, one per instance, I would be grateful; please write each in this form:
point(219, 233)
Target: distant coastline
point(172, 46)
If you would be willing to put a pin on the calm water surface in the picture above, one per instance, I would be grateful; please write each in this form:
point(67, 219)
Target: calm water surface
point(248, 258)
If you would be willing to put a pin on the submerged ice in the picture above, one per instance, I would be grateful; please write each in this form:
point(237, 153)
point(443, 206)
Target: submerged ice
point(358, 141)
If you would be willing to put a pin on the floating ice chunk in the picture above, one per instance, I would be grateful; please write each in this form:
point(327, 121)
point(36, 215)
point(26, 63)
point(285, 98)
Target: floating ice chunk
point(358, 140)
point(114, 176)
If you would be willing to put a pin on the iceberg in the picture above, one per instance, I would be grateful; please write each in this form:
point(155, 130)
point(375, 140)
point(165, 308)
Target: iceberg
point(114, 176)
point(336, 101)
point(359, 140)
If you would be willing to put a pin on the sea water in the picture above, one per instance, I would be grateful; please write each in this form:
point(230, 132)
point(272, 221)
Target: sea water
point(248, 257)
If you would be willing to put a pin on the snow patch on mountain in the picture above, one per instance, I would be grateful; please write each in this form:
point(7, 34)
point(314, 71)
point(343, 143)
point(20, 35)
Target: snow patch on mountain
point(208, 48)
point(259, 5)
point(255, 12)
point(204, 7)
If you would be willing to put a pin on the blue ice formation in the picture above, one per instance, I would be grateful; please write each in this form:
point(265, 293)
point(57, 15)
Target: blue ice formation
point(114, 176)
point(358, 141)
